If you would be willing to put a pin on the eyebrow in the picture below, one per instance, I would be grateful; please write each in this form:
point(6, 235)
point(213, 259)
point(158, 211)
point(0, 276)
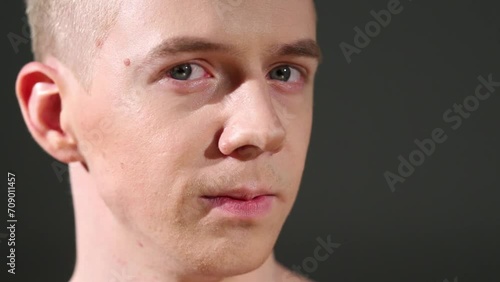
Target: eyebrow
point(301, 48)
point(176, 45)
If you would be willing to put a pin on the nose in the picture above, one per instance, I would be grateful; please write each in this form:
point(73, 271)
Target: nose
point(253, 126)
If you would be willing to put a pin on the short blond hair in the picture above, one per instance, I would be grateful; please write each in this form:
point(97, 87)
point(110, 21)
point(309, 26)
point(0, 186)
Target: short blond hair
point(70, 30)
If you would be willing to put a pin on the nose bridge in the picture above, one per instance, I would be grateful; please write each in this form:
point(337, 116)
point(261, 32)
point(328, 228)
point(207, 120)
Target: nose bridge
point(253, 121)
point(253, 104)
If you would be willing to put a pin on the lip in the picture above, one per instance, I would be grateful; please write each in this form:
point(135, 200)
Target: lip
point(243, 193)
point(244, 209)
point(244, 203)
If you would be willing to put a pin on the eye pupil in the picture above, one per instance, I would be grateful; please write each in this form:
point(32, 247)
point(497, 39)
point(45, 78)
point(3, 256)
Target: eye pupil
point(181, 72)
point(281, 73)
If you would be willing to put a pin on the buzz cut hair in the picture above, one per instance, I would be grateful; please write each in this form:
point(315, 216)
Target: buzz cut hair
point(71, 31)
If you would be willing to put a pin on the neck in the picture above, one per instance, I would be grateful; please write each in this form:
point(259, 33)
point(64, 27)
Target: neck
point(106, 251)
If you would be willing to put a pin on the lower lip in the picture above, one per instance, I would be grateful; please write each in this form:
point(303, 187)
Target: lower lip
point(257, 206)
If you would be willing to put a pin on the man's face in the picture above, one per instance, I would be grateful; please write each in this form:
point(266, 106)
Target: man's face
point(194, 106)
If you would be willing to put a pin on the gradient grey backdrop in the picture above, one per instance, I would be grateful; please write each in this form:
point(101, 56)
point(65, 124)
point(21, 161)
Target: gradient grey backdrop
point(442, 222)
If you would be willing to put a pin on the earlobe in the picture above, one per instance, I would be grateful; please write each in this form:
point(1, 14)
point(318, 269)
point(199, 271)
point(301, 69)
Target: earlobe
point(40, 100)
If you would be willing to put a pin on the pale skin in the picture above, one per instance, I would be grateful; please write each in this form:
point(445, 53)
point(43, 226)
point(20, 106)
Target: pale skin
point(144, 146)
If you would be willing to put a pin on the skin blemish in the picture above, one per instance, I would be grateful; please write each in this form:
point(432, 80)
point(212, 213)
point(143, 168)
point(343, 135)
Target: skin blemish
point(98, 43)
point(126, 62)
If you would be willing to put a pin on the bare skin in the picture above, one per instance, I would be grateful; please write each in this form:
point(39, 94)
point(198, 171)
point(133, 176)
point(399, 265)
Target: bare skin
point(146, 144)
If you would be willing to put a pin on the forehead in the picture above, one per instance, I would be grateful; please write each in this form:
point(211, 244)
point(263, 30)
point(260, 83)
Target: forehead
point(143, 24)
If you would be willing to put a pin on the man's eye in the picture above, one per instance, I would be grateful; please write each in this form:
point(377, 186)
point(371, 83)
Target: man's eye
point(186, 72)
point(285, 73)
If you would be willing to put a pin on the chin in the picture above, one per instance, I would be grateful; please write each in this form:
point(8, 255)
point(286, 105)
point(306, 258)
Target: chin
point(231, 259)
point(232, 265)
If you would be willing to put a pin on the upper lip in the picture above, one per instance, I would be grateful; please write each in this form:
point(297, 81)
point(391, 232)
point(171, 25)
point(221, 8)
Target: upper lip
point(243, 192)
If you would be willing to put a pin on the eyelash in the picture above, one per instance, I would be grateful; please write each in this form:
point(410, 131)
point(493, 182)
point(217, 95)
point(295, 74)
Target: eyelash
point(300, 70)
point(192, 64)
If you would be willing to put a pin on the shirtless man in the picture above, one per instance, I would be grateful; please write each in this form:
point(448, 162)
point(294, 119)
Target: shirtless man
point(185, 125)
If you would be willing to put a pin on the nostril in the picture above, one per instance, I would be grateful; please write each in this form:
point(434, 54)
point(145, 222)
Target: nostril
point(247, 151)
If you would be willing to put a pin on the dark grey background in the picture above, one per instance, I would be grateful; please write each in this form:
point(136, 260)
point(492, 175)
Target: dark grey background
point(442, 222)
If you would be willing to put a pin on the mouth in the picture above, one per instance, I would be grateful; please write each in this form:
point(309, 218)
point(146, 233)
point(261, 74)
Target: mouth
point(243, 203)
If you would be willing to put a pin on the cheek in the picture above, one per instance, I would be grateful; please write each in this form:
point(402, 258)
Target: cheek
point(298, 124)
point(299, 132)
point(142, 168)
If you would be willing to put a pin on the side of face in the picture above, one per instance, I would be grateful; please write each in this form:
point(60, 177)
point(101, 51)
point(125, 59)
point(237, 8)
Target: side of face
point(154, 144)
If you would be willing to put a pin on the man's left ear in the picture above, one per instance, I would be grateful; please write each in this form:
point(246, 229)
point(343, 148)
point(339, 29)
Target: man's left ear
point(39, 97)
